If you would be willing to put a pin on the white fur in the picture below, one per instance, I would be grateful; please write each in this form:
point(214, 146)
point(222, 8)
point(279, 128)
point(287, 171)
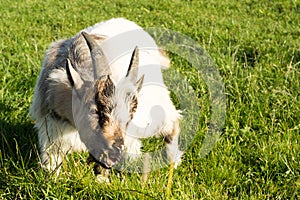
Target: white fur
point(56, 146)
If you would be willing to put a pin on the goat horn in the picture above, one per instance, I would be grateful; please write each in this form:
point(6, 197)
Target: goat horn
point(134, 63)
point(99, 60)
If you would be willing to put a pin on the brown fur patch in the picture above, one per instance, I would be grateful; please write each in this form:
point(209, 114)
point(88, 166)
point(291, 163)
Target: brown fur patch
point(175, 131)
point(113, 133)
point(111, 130)
point(164, 60)
point(104, 91)
point(133, 106)
point(163, 52)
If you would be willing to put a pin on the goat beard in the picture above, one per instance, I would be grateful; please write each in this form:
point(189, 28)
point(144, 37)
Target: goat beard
point(100, 171)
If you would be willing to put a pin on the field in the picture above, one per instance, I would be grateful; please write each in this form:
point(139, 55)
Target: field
point(255, 46)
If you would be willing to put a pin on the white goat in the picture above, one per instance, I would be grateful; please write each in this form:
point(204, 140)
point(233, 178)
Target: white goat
point(87, 97)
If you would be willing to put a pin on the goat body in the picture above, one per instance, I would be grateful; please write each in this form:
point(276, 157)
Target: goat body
point(87, 98)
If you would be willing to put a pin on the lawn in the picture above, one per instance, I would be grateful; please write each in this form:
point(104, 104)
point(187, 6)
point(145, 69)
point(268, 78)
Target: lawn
point(255, 47)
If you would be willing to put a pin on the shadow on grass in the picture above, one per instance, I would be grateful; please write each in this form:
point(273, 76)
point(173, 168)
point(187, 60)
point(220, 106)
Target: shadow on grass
point(18, 143)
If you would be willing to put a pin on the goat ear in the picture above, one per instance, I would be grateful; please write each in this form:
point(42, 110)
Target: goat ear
point(132, 71)
point(73, 76)
point(139, 83)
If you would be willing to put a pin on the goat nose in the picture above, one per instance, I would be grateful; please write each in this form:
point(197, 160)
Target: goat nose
point(119, 149)
point(109, 163)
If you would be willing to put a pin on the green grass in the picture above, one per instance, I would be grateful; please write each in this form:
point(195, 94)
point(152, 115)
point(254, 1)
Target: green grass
point(256, 48)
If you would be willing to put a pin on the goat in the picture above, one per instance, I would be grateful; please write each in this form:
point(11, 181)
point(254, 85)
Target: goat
point(87, 99)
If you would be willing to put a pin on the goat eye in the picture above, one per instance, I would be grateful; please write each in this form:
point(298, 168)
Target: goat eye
point(128, 95)
point(93, 111)
point(133, 98)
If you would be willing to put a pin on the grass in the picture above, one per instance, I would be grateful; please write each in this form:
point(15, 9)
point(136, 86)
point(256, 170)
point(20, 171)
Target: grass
point(256, 48)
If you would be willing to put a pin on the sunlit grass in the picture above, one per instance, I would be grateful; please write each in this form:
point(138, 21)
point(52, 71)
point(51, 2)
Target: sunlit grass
point(256, 48)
